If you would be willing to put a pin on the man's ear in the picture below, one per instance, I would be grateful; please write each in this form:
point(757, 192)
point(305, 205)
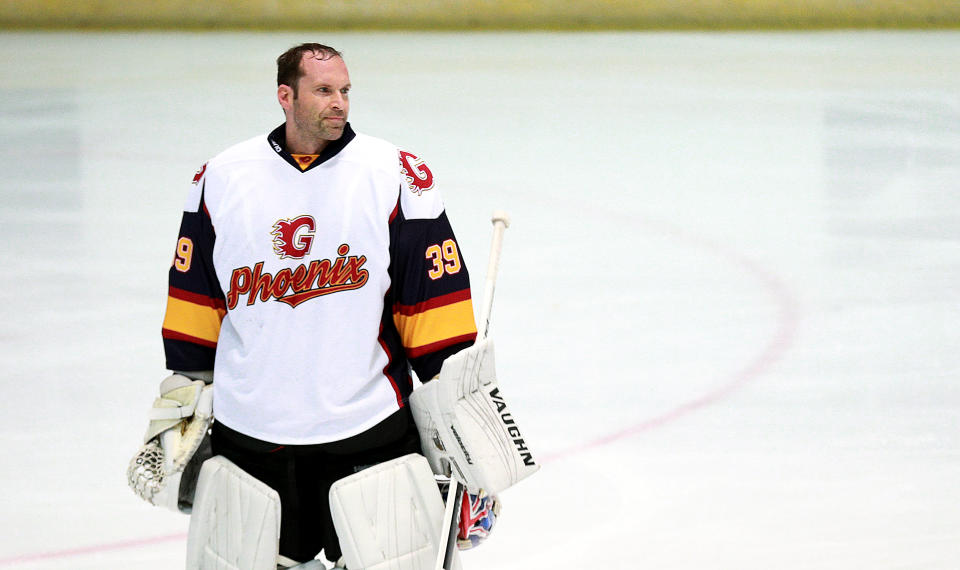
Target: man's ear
point(285, 96)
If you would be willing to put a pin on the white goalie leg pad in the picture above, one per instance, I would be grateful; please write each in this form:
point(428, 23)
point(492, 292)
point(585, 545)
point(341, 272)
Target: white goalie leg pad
point(235, 524)
point(389, 516)
point(466, 428)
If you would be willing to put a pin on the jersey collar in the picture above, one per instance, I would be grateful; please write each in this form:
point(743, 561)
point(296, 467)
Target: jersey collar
point(278, 142)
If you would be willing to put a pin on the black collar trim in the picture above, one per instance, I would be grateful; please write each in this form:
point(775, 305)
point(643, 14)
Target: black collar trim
point(278, 142)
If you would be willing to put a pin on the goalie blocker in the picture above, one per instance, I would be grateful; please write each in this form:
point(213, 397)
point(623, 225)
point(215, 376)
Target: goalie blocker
point(467, 429)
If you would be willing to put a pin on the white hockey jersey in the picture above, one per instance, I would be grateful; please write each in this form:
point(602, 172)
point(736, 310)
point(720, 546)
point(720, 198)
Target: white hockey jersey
point(310, 285)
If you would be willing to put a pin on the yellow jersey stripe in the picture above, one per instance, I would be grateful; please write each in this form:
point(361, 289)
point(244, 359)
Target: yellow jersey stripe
point(200, 321)
point(436, 325)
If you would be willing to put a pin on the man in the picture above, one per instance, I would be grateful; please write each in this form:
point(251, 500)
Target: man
point(315, 266)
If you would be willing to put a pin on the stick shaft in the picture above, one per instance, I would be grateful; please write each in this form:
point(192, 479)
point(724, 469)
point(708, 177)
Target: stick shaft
point(451, 514)
point(499, 227)
point(448, 536)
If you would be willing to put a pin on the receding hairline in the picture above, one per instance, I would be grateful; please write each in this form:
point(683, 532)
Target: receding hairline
point(290, 63)
point(320, 54)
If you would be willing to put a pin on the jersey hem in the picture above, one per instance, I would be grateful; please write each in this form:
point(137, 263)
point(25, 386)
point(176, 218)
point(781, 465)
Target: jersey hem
point(286, 440)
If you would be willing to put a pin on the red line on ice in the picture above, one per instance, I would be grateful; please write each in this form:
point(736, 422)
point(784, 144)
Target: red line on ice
point(95, 549)
point(787, 322)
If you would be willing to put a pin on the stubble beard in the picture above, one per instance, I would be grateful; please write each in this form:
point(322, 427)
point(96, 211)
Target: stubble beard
point(331, 133)
point(314, 129)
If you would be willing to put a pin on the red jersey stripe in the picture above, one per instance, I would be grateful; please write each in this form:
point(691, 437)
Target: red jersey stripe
point(197, 299)
point(424, 306)
point(174, 335)
point(433, 347)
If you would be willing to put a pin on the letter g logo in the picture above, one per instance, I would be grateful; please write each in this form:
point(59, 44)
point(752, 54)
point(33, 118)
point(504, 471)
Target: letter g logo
point(293, 237)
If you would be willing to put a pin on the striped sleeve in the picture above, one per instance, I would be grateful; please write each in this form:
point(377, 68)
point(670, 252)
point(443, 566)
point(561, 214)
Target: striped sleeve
point(195, 302)
point(432, 309)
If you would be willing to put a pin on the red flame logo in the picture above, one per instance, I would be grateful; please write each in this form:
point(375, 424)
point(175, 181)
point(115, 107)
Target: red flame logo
point(418, 175)
point(199, 174)
point(293, 237)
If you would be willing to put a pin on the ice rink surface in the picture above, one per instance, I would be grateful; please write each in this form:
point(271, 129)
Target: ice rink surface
point(728, 307)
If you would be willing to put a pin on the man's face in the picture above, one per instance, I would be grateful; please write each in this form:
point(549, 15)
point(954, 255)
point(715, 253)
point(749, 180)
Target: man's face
point(321, 104)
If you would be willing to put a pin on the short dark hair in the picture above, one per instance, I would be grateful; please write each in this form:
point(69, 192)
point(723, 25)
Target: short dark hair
point(289, 70)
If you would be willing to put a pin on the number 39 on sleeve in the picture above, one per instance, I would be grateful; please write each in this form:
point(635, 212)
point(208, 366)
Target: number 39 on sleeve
point(445, 258)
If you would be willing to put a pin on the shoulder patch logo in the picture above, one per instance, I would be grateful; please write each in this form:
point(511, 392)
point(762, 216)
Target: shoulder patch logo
point(293, 237)
point(199, 174)
point(418, 175)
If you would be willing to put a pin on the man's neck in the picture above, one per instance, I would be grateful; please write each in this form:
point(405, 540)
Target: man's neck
point(293, 153)
point(296, 145)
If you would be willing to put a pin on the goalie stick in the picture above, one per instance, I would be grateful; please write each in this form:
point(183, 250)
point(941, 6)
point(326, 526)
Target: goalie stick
point(448, 539)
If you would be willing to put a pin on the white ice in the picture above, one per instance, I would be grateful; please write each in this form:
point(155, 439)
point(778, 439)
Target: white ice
point(728, 306)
